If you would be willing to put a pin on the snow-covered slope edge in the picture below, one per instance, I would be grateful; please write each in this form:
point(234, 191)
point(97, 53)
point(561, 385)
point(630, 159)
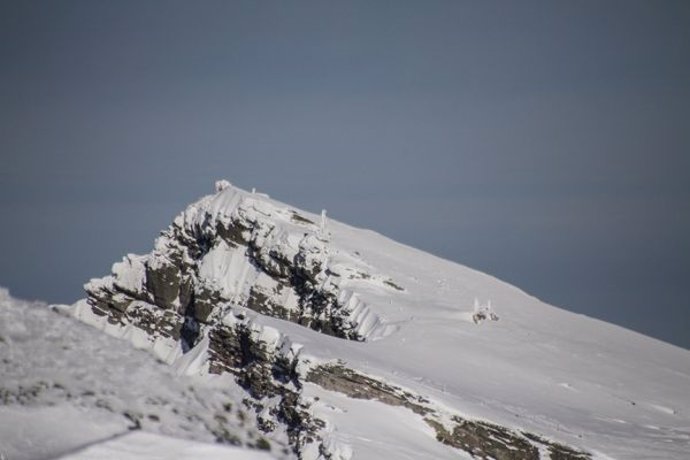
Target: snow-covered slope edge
point(65, 386)
point(142, 445)
point(321, 323)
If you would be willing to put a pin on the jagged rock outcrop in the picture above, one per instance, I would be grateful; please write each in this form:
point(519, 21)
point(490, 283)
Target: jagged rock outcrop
point(246, 253)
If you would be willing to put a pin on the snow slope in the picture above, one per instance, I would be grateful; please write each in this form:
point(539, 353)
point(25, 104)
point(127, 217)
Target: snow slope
point(64, 385)
point(572, 378)
point(141, 445)
point(429, 344)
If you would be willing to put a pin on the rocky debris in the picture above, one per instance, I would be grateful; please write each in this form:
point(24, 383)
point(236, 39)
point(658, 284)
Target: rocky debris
point(337, 377)
point(484, 440)
point(24, 395)
point(154, 321)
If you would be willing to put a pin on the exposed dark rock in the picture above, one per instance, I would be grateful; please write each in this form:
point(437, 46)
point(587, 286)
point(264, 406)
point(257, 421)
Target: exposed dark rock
point(163, 282)
point(155, 322)
point(265, 373)
point(189, 333)
point(261, 302)
point(391, 284)
point(107, 302)
point(300, 219)
point(484, 440)
point(336, 377)
point(233, 233)
point(203, 302)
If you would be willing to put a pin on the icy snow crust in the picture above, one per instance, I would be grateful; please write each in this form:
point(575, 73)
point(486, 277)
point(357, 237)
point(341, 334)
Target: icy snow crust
point(469, 344)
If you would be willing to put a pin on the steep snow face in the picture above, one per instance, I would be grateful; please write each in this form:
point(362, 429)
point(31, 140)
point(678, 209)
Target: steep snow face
point(297, 307)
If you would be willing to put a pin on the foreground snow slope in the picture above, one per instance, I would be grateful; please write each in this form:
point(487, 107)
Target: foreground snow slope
point(140, 445)
point(64, 385)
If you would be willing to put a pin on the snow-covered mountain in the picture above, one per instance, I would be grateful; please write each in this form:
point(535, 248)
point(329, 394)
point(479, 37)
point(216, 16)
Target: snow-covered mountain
point(327, 341)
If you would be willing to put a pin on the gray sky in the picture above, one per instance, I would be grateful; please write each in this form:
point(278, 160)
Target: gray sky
point(546, 143)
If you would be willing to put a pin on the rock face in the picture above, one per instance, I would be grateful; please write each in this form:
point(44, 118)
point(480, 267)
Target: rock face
point(248, 254)
point(233, 255)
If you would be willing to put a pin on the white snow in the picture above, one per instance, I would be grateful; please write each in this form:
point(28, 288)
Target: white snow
point(373, 430)
point(65, 385)
point(44, 431)
point(227, 270)
point(139, 445)
point(130, 272)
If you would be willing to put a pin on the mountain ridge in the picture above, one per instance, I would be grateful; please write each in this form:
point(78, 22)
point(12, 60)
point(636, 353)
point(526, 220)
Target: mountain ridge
point(353, 345)
point(399, 293)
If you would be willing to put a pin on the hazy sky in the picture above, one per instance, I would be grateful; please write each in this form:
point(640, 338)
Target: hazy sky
point(546, 143)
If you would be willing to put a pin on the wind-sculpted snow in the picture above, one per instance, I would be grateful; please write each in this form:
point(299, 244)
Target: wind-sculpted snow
point(353, 346)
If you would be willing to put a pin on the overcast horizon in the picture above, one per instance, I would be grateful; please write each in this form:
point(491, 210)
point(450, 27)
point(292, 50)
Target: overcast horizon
point(544, 143)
